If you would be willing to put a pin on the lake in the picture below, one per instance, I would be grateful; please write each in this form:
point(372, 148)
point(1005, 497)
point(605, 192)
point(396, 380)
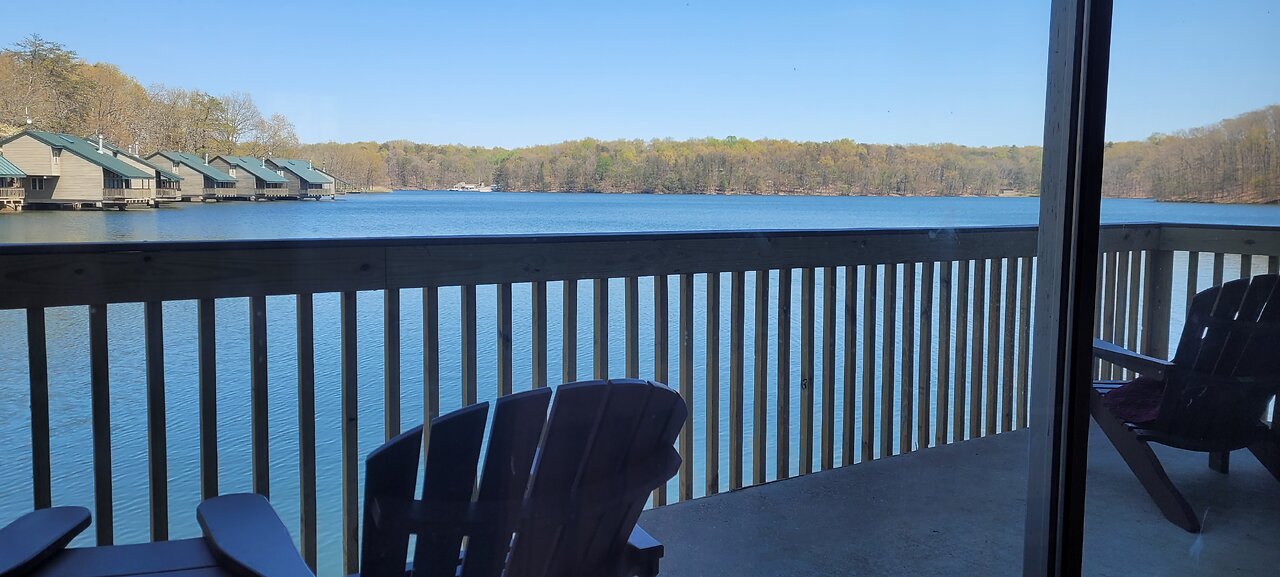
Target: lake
point(406, 213)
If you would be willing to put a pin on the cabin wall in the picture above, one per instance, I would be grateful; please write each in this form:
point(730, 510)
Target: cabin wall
point(246, 182)
point(79, 181)
point(34, 157)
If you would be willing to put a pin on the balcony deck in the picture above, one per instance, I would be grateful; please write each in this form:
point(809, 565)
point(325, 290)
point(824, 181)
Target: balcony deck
point(958, 510)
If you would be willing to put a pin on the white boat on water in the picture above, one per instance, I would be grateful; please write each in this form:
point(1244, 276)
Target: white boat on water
point(465, 187)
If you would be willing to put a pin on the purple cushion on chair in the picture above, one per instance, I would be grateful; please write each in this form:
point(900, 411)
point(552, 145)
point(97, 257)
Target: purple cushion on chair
point(1137, 401)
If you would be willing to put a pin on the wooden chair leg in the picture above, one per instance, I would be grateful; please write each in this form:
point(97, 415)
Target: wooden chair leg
point(1220, 462)
point(1268, 453)
point(1145, 466)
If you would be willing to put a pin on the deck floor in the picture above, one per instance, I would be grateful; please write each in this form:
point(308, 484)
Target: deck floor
point(959, 510)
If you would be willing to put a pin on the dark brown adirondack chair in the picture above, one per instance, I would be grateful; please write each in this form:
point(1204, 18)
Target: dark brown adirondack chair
point(1212, 397)
point(243, 537)
point(559, 495)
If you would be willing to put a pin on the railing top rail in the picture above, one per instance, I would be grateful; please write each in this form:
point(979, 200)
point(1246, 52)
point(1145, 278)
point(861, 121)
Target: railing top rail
point(538, 238)
point(45, 275)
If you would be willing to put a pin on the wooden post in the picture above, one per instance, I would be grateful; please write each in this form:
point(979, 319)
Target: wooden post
point(869, 284)
point(806, 370)
point(1157, 306)
point(712, 422)
point(850, 385)
point(390, 363)
point(828, 367)
point(685, 347)
point(600, 330)
point(100, 422)
point(260, 438)
point(157, 455)
point(38, 374)
point(760, 396)
point(468, 329)
point(207, 364)
point(784, 374)
point(503, 339)
point(306, 428)
point(736, 347)
point(538, 296)
point(350, 440)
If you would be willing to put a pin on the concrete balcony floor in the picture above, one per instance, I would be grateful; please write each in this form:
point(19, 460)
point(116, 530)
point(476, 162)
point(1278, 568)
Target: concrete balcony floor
point(959, 510)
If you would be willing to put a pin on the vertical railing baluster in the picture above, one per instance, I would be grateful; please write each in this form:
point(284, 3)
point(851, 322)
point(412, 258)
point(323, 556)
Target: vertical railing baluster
point(1273, 264)
point(1121, 307)
point(1134, 306)
point(976, 347)
point(38, 375)
point(685, 349)
point(207, 352)
point(1219, 263)
point(828, 367)
point(504, 339)
point(924, 370)
point(806, 370)
point(1010, 342)
point(1109, 309)
point(1156, 305)
point(783, 386)
point(944, 354)
point(258, 398)
point(737, 346)
point(157, 455)
point(961, 389)
point(569, 333)
point(390, 362)
point(991, 395)
point(631, 317)
point(350, 434)
point(661, 352)
point(849, 384)
point(906, 407)
point(1246, 266)
point(1193, 276)
point(430, 354)
point(538, 340)
point(867, 428)
point(307, 427)
point(1024, 342)
point(1098, 306)
point(760, 394)
point(711, 435)
point(888, 358)
point(600, 328)
point(469, 377)
point(100, 422)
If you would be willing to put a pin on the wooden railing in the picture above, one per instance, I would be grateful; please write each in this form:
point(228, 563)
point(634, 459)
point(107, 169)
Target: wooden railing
point(907, 339)
point(128, 193)
point(12, 192)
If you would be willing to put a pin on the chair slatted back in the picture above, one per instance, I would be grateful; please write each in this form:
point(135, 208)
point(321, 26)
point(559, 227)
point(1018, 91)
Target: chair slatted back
point(1227, 367)
point(558, 494)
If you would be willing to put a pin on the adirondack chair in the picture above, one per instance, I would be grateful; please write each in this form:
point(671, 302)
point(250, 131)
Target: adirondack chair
point(1212, 397)
point(242, 538)
point(558, 495)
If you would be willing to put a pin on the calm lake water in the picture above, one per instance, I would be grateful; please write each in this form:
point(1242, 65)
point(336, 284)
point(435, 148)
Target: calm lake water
point(397, 214)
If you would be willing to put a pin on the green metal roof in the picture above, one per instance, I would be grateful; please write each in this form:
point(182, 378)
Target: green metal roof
point(89, 151)
point(301, 168)
point(197, 164)
point(164, 174)
point(8, 170)
point(254, 166)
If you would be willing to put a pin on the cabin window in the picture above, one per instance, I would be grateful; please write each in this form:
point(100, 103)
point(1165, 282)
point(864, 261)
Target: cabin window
point(232, 172)
point(57, 154)
point(37, 184)
point(175, 167)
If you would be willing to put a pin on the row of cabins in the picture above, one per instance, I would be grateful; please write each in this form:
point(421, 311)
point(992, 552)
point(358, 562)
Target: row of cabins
point(49, 169)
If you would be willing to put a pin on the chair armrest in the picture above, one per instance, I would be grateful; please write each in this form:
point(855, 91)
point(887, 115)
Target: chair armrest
point(35, 537)
point(1138, 363)
point(247, 538)
point(642, 554)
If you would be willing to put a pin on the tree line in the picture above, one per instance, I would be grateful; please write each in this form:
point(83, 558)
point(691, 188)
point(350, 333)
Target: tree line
point(52, 88)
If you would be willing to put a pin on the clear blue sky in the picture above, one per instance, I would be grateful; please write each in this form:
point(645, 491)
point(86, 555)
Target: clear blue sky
point(516, 73)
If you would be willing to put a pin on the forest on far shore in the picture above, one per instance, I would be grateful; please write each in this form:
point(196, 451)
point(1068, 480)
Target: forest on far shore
point(49, 87)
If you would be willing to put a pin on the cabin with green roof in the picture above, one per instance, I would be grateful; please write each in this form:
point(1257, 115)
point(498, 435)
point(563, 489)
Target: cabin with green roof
point(12, 185)
point(68, 171)
point(213, 184)
point(304, 180)
point(168, 184)
point(254, 179)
